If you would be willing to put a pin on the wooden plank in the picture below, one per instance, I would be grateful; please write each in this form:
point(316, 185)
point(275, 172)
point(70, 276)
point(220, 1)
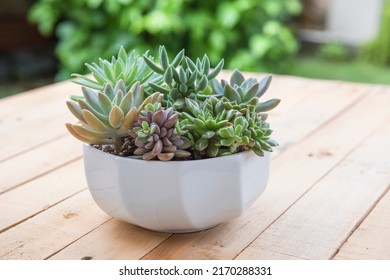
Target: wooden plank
point(136, 240)
point(35, 162)
point(309, 113)
point(267, 254)
point(39, 195)
point(37, 114)
point(35, 107)
point(323, 218)
point(292, 174)
point(29, 100)
point(52, 230)
point(28, 120)
point(313, 88)
point(371, 239)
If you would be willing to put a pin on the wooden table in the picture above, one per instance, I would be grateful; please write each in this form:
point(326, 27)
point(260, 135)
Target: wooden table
point(327, 198)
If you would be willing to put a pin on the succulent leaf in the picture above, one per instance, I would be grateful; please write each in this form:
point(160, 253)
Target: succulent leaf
point(116, 117)
point(203, 83)
point(104, 102)
point(182, 154)
point(237, 78)
point(216, 70)
point(267, 105)
point(82, 80)
point(94, 121)
point(231, 93)
point(212, 150)
point(89, 134)
point(190, 64)
point(153, 65)
point(178, 59)
point(75, 109)
point(122, 54)
point(164, 58)
point(208, 134)
point(87, 140)
point(252, 92)
point(205, 66)
point(201, 144)
point(168, 76)
point(91, 98)
point(264, 85)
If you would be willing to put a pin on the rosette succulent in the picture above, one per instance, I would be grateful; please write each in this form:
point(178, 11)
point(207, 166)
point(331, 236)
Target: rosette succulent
point(183, 78)
point(130, 68)
point(157, 135)
point(248, 131)
point(245, 91)
point(105, 116)
point(203, 123)
point(217, 128)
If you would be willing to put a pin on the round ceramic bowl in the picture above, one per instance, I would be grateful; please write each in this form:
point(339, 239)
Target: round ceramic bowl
point(175, 196)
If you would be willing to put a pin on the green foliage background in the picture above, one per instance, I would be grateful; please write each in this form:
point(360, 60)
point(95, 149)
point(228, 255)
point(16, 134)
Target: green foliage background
point(377, 51)
point(251, 35)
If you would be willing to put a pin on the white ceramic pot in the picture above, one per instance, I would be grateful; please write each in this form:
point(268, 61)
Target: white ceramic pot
point(175, 196)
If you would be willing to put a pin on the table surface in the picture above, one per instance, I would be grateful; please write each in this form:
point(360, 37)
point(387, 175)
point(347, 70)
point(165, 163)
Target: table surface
point(327, 197)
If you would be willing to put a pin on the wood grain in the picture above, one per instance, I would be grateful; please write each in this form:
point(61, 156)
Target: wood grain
point(12, 107)
point(370, 241)
point(37, 161)
point(307, 114)
point(40, 194)
point(46, 233)
point(31, 119)
point(117, 240)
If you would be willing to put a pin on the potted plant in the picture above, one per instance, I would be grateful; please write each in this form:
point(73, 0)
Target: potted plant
point(168, 147)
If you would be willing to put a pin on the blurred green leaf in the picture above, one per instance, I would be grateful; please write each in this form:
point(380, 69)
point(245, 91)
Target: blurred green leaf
point(259, 45)
point(251, 35)
point(228, 15)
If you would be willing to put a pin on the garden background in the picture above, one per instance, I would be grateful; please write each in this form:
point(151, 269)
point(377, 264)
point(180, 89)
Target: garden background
point(44, 41)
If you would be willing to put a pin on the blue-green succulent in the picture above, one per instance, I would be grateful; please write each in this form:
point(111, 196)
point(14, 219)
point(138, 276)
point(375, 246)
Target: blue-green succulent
point(183, 78)
point(243, 90)
point(129, 68)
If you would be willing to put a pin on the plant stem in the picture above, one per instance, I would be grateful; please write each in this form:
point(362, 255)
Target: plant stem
point(118, 144)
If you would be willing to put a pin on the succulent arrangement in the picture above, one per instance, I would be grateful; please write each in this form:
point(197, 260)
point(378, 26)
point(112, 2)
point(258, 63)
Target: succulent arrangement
point(170, 110)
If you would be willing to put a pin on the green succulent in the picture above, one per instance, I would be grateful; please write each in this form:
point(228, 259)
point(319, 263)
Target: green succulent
point(217, 128)
point(234, 136)
point(106, 116)
point(245, 91)
point(183, 78)
point(203, 123)
point(249, 131)
point(130, 68)
point(156, 135)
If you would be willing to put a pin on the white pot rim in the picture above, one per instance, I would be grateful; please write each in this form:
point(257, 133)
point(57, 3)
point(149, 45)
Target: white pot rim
point(182, 162)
